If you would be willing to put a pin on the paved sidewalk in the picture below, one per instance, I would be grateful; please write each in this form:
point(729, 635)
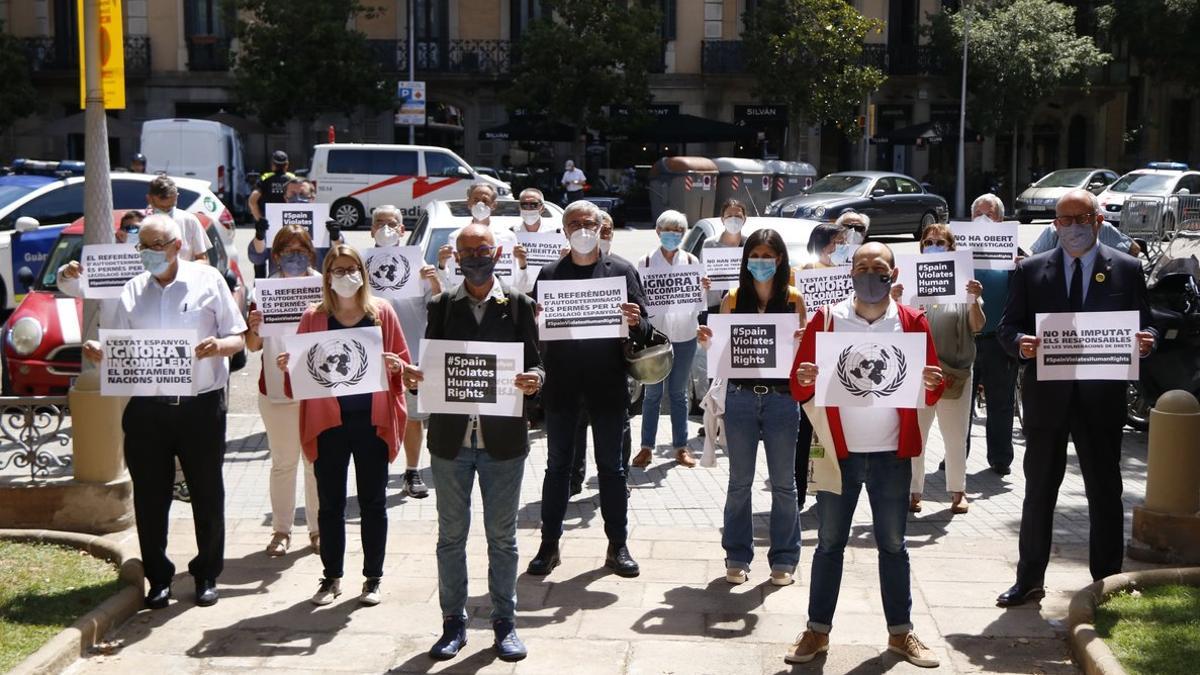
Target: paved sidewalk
point(679, 616)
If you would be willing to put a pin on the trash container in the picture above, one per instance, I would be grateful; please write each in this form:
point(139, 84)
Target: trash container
point(790, 178)
point(686, 184)
point(746, 180)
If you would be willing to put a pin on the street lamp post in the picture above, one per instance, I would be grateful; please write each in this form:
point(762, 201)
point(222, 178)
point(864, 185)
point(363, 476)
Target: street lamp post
point(412, 66)
point(960, 190)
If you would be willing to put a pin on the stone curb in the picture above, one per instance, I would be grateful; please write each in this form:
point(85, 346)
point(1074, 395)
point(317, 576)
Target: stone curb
point(1091, 653)
point(63, 649)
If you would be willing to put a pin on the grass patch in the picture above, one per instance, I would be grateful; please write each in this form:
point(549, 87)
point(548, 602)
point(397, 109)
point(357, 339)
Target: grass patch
point(45, 588)
point(1155, 631)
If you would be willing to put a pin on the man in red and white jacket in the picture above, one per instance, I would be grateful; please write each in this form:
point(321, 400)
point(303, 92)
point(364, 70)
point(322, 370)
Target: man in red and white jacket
point(874, 448)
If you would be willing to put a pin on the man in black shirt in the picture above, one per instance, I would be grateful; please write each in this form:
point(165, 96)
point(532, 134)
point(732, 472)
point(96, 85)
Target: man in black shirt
point(271, 189)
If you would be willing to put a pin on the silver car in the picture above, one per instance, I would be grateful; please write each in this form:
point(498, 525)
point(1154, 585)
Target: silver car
point(1038, 200)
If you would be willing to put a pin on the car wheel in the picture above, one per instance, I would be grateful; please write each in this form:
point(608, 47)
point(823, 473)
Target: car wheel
point(1024, 221)
point(348, 213)
point(926, 220)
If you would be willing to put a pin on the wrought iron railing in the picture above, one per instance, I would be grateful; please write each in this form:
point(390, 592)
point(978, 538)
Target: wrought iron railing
point(722, 56)
point(137, 55)
point(875, 55)
point(472, 57)
point(728, 56)
point(50, 54)
point(29, 427)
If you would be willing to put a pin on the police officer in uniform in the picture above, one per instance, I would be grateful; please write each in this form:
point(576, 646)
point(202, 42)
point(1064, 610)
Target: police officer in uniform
point(271, 189)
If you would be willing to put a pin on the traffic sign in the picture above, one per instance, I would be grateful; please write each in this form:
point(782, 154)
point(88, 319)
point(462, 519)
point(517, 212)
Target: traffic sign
point(412, 104)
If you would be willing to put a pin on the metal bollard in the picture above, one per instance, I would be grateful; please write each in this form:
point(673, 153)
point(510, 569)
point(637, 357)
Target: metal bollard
point(1167, 528)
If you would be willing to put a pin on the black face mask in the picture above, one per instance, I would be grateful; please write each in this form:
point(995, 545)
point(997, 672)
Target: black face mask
point(477, 270)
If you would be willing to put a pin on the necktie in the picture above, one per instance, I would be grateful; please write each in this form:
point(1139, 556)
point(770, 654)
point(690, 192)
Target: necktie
point(1075, 298)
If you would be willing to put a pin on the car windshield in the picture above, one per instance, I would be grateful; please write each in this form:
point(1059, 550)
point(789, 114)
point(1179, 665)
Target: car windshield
point(438, 237)
point(67, 249)
point(835, 184)
point(1142, 182)
point(11, 193)
point(1064, 179)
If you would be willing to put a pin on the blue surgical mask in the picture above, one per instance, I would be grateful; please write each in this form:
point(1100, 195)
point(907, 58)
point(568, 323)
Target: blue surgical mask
point(762, 269)
point(155, 262)
point(934, 248)
point(670, 240)
point(294, 264)
point(841, 254)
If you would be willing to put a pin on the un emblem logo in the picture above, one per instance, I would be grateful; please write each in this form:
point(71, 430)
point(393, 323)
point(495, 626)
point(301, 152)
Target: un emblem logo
point(336, 363)
point(388, 271)
point(872, 370)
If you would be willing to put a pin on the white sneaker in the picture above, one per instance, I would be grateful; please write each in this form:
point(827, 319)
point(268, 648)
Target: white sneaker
point(327, 591)
point(370, 592)
point(736, 575)
point(781, 578)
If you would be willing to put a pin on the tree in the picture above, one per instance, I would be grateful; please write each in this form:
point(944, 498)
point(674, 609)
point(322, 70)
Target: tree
point(20, 98)
point(808, 54)
point(1160, 33)
point(298, 59)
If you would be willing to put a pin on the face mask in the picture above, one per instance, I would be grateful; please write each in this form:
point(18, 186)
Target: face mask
point(854, 237)
point(480, 211)
point(294, 264)
point(132, 230)
point(934, 249)
point(605, 245)
point(531, 216)
point(298, 199)
point(1076, 239)
point(477, 270)
point(155, 262)
point(733, 224)
point(348, 285)
point(387, 236)
point(583, 240)
point(840, 255)
point(670, 240)
point(872, 288)
point(762, 269)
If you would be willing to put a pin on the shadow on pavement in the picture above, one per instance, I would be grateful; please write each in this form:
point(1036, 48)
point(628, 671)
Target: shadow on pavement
point(299, 630)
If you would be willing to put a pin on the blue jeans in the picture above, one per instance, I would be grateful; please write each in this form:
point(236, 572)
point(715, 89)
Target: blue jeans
point(676, 385)
point(774, 417)
point(500, 486)
point(997, 372)
point(887, 478)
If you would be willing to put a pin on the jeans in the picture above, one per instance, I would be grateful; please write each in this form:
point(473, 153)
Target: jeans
point(997, 372)
point(774, 416)
point(676, 385)
point(355, 438)
point(886, 477)
point(578, 471)
point(561, 423)
point(500, 487)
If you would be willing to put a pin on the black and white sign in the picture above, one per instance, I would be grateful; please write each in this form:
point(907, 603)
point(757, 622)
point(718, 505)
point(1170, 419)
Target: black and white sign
point(752, 345)
point(148, 362)
point(394, 272)
point(822, 287)
point(722, 266)
point(587, 309)
point(541, 248)
point(471, 378)
point(1088, 346)
point(673, 288)
point(106, 268)
point(283, 301)
point(935, 278)
point(993, 245)
point(333, 363)
point(310, 216)
point(880, 370)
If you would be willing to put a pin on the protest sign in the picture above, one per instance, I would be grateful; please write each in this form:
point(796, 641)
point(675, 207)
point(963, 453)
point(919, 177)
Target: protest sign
point(394, 272)
point(336, 362)
point(1088, 345)
point(935, 278)
point(870, 370)
point(311, 216)
point(157, 362)
point(283, 301)
point(752, 345)
point(673, 288)
point(582, 310)
point(471, 378)
point(106, 268)
point(541, 248)
point(822, 287)
point(993, 245)
point(722, 266)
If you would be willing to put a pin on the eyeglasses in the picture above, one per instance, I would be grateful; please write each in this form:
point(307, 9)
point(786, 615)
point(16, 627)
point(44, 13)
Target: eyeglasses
point(1081, 219)
point(580, 224)
point(935, 242)
point(340, 272)
point(388, 223)
point(157, 246)
point(531, 205)
point(480, 252)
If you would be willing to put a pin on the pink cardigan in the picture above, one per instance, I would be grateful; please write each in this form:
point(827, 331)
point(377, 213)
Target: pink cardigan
point(388, 412)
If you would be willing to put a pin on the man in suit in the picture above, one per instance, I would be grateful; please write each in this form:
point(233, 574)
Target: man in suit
point(1080, 275)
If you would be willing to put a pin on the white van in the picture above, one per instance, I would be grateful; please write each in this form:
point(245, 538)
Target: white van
point(354, 178)
point(200, 149)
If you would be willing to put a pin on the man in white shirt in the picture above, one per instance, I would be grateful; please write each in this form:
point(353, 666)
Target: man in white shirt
point(532, 203)
point(572, 181)
point(481, 201)
point(163, 198)
point(176, 293)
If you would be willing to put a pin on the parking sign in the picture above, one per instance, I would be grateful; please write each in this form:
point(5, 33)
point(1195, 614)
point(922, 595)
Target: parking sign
point(412, 104)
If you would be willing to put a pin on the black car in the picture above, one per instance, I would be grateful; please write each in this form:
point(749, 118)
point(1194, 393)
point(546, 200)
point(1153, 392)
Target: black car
point(895, 203)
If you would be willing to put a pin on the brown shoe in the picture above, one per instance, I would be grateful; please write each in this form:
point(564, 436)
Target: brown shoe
point(685, 458)
point(914, 504)
point(913, 650)
point(806, 647)
point(643, 458)
point(960, 504)
point(279, 544)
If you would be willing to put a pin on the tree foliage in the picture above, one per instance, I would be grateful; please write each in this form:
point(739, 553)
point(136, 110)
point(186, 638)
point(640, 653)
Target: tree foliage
point(1160, 33)
point(808, 54)
point(298, 60)
point(20, 98)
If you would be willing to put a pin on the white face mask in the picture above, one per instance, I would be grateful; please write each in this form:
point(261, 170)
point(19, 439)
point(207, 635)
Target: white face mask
point(531, 216)
point(853, 237)
point(583, 240)
point(480, 211)
point(387, 236)
point(605, 245)
point(733, 224)
point(348, 285)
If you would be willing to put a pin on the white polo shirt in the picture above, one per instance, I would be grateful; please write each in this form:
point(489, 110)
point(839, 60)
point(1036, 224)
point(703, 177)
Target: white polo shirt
point(868, 429)
point(192, 236)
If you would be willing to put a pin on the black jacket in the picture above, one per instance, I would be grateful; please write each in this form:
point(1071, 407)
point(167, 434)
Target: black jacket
point(503, 437)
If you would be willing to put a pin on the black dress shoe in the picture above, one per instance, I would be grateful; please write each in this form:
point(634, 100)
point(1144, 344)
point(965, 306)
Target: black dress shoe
point(1001, 470)
point(576, 488)
point(545, 560)
point(454, 638)
point(618, 560)
point(206, 592)
point(158, 596)
point(1019, 595)
point(508, 646)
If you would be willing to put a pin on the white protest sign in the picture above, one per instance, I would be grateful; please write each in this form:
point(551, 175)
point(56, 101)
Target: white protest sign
point(722, 265)
point(823, 287)
point(752, 345)
point(870, 370)
point(106, 268)
point(283, 301)
point(993, 245)
point(336, 362)
point(541, 248)
point(310, 216)
point(1088, 346)
point(471, 378)
point(394, 272)
point(935, 278)
point(673, 288)
point(158, 362)
point(582, 310)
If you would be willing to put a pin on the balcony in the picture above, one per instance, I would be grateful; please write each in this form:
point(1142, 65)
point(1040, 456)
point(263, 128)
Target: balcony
point(208, 53)
point(722, 57)
point(49, 54)
point(489, 58)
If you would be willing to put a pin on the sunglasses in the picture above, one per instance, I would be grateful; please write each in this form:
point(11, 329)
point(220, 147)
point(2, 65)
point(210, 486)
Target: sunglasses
point(935, 242)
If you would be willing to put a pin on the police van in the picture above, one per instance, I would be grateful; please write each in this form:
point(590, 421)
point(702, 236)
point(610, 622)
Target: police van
point(354, 178)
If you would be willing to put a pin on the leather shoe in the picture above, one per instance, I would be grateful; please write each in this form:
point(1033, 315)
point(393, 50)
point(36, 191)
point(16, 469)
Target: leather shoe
point(158, 596)
point(1019, 595)
point(508, 646)
point(454, 638)
point(545, 560)
point(206, 592)
point(618, 560)
point(1001, 470)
